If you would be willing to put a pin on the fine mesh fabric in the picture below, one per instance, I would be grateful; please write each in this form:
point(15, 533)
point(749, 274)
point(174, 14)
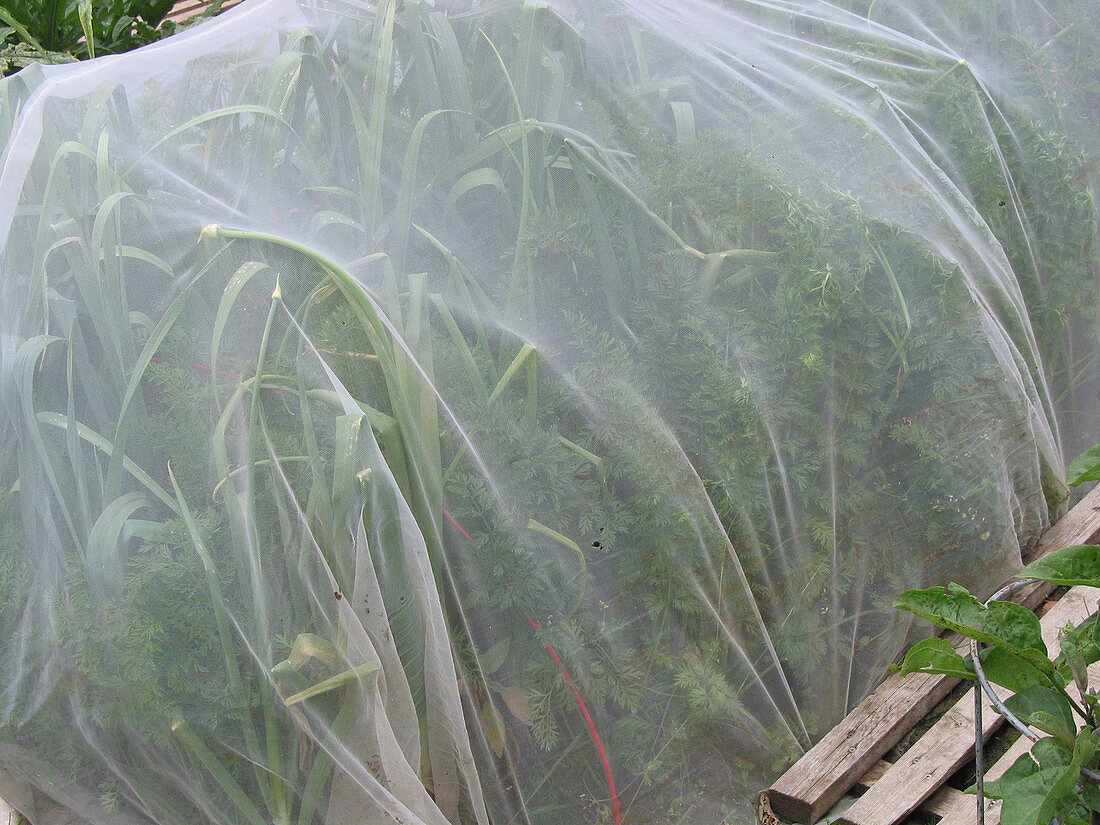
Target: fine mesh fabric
point(521, 411)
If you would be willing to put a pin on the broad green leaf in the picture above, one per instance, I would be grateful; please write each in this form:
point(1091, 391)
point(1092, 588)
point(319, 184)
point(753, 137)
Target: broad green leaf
point(1073, 662)
point(1086, 754)
point(494, 658)
point(1005, 668)
point(1086, 467)
point(1070, 566)
point(1047, 709)
point(935, 655)
point(1018, 627)
point(1090, 793)
point(1053, 724)
point(953, 609)
point(1024, 767)
point(1030, 789)
point(1034, 795)
point(1002, 623)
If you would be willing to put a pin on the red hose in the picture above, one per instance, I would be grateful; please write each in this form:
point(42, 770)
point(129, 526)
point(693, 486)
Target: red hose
point(591, 728)
point(615, 807)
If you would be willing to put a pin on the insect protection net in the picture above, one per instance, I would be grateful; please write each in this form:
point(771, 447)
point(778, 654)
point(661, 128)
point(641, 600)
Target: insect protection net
point(522, 411)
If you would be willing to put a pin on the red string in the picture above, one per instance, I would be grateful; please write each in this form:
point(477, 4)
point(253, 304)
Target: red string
point(615, 808)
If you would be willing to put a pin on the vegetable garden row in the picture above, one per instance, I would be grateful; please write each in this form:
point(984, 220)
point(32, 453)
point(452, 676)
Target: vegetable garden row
point(523, 411)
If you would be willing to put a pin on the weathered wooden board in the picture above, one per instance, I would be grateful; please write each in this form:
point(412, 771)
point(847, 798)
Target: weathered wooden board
point(186, 9)
point(949, 744)
point(817, 781)
point(826, 772)
point(829, 770)
point(943, 749)
point(940, 803)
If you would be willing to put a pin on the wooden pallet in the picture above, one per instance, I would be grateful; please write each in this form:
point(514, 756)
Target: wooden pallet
point(851, 754)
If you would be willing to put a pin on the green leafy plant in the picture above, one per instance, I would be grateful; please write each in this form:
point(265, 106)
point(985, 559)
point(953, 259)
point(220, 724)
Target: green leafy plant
point(1059, 779)
point(60, 31)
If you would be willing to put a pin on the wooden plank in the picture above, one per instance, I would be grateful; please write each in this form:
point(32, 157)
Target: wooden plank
point(949, 744)
point(940, 803)
point(966, 813)
point(828, 770)
point(945, 799)
point(943, 749)
point(186, 9)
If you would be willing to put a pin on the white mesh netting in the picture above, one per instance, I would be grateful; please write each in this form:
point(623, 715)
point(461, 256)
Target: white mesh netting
point(521, 411)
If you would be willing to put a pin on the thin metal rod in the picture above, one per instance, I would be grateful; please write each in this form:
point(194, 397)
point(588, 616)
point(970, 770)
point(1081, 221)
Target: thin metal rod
point(979, 753)
point(975, 650)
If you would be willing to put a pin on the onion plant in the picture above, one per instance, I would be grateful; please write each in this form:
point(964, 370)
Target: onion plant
point(409, 389)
